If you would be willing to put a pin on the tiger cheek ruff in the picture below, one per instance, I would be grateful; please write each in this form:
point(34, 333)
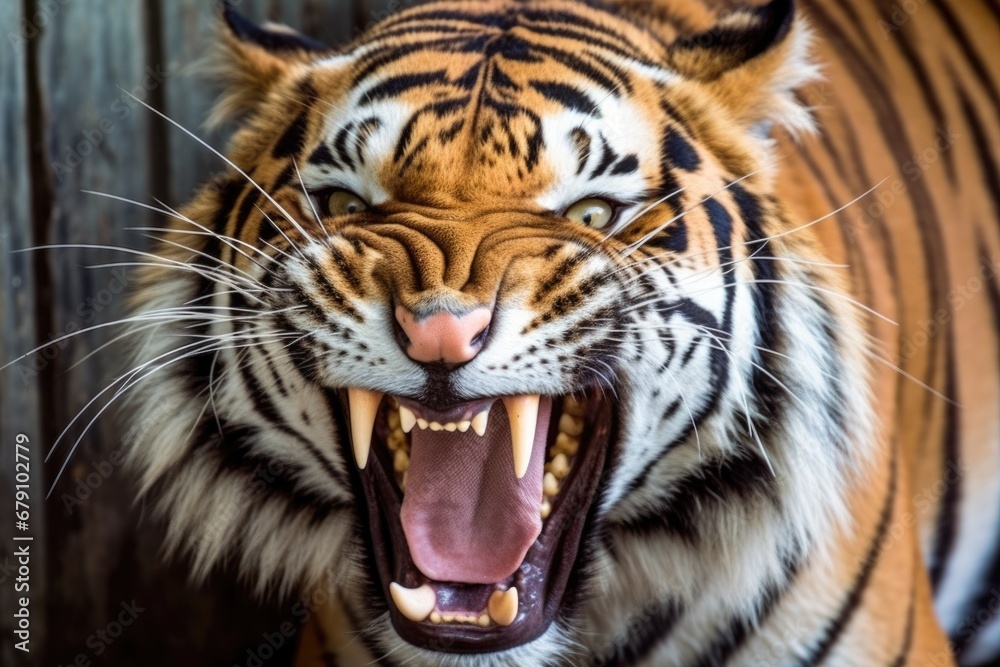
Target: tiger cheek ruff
point(511, 296)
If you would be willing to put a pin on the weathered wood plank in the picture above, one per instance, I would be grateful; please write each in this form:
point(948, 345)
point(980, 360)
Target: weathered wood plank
point(97, 138)
point(18, 385)
point(189, 29)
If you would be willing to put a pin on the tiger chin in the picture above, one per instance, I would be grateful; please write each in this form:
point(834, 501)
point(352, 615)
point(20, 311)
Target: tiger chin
point(497, 328)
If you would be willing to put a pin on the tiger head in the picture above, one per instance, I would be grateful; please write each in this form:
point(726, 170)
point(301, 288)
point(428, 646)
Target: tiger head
point(488, 311)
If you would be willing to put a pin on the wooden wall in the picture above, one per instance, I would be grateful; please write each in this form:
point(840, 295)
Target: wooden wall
point(66, 126)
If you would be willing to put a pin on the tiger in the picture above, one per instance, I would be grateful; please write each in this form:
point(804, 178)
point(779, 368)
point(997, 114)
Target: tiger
point(603, 332)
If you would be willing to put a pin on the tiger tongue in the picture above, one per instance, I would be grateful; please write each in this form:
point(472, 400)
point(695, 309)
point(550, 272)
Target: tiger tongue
point(466, 516)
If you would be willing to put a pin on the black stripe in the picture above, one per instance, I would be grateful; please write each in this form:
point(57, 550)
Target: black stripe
point(269, 411)
point(834, 630)
point(627, 165)
point(366, 129)
point(947, 519)
point(397, 85)
point(293, 139)
point(678, 151)
point(608, 156)
point(581, 142)
point(648, 628)
point(904, 649)
point(731, 639)
point(323, 155)
point(569, 96)
point(740, 479)
point(340, 145)
point(991, 580)
point(984, 148)
point(235, 452)
point(963, 42)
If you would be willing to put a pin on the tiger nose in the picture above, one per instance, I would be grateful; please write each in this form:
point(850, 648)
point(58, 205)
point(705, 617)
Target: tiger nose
point(444, 336)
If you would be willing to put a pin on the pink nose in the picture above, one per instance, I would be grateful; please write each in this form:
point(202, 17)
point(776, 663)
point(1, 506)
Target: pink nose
point(443, 336)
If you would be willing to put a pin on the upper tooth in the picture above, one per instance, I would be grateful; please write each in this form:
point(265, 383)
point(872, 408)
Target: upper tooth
point(406, 419)
point(570, 425)
point(479, 422)
point(450, 426)
point(422, 423)
point(363, 405)
point(522, 413)
point(502, 606)
point(436, 426)
point(414, 603)
point(463, 426)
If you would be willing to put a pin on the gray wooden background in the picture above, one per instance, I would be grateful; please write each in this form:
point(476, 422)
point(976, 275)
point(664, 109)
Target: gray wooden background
point(66, 126)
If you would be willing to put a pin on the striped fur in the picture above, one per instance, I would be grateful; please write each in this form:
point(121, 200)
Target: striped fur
point(778, 491)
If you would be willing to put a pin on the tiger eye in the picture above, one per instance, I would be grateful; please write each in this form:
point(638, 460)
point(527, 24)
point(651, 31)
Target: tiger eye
point(344, 202)
point(593, 212)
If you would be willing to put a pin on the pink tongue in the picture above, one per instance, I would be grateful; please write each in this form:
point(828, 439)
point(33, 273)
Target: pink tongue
point(466, 516)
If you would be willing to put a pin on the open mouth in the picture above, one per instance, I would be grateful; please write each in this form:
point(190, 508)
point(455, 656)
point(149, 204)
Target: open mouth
point(477, 511)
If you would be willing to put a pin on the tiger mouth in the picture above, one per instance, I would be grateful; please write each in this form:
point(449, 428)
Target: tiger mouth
point(476, 512)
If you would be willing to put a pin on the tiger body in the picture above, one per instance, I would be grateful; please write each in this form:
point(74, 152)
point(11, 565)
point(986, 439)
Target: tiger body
point(795, 474)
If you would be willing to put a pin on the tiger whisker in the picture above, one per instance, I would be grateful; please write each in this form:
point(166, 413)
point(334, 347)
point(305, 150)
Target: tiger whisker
point(229, 162)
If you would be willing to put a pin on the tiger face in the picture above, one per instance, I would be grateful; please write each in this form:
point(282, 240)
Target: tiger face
point(480, 292)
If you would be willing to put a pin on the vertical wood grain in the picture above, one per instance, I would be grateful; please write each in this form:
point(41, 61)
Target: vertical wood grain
point(18, 385)
point(66, 126)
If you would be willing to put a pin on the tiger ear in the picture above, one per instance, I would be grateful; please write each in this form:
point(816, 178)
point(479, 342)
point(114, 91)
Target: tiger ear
point(252, 59)
point(751, 62)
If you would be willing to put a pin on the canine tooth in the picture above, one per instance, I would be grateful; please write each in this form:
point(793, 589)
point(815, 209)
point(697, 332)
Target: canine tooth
point(559, 466)
point(414, 603)
point(522, 413)
point(479, 422)
point(550, 485)
point(546, 509)
point(363, 406)
point(463, 426)
point(406, 419)
point(422, 423)
point(401, 462)
point(435, 617)
point(450, 426)
point(570, 425)
point(483, 620)
point(502, 606)
point(566, 444)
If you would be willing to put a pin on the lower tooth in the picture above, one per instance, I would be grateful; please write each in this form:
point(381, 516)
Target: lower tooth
point(413, 603)
point(546, 509)
point(550, 486)
point(559, 466)
point(435, 617)
point(401, 462)
point(484, 620)
point(502, 606)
